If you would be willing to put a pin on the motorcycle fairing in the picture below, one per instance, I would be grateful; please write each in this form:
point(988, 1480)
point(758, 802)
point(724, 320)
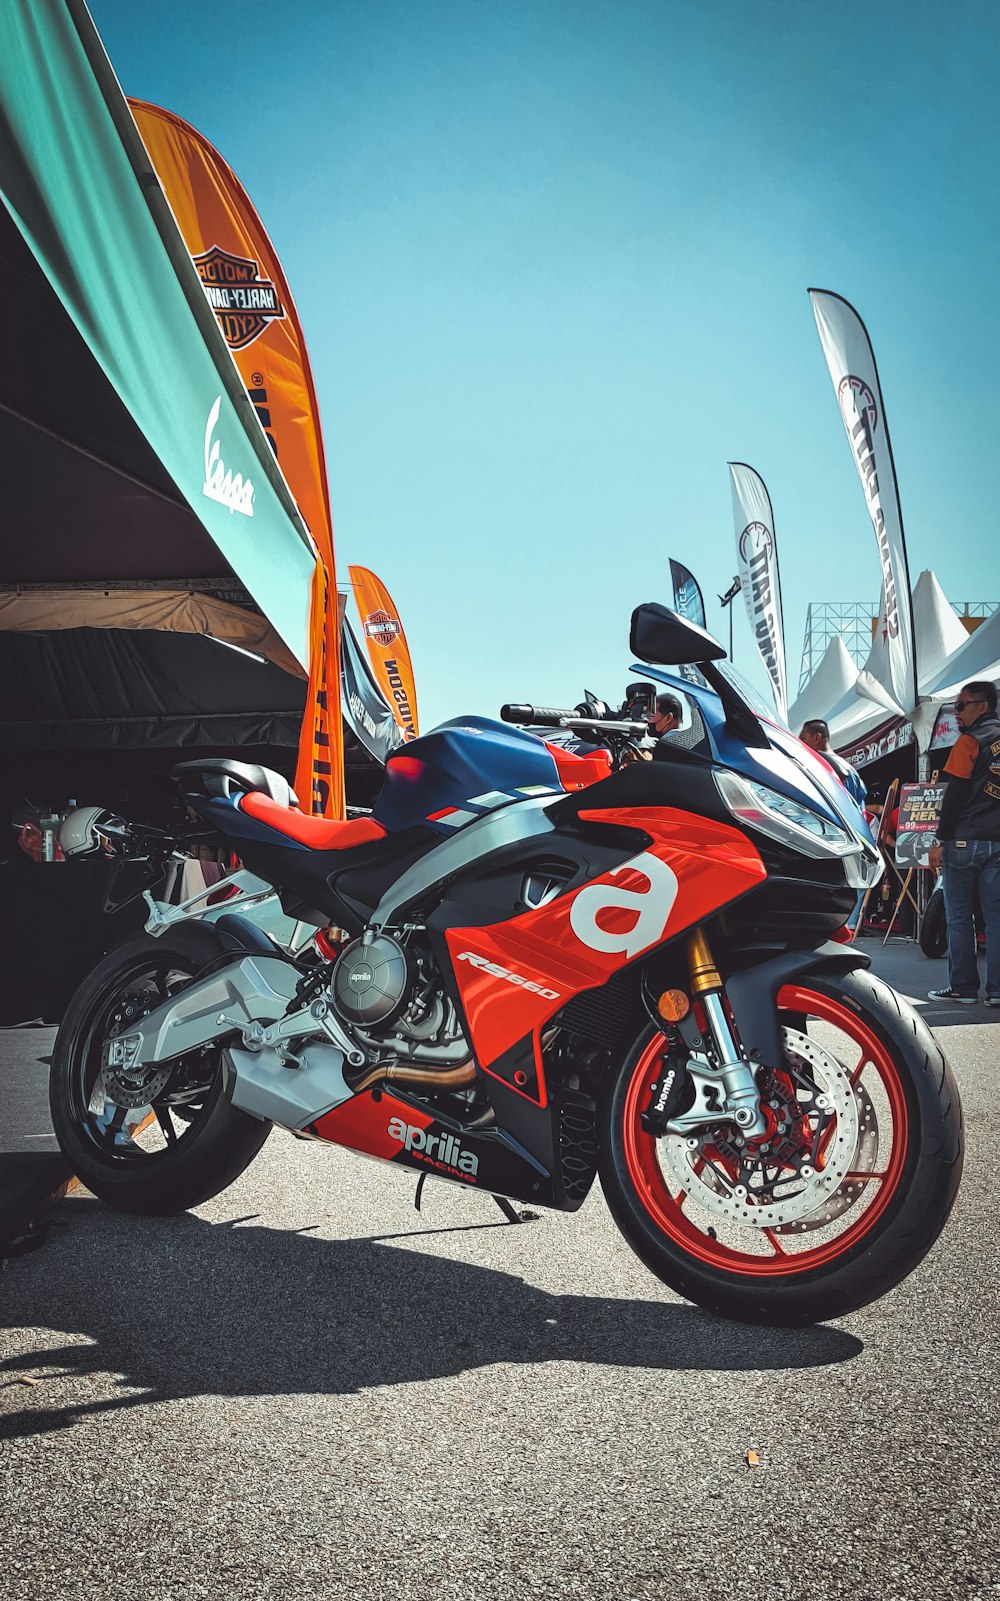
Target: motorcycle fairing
point(513, 976)
point(395, 1128)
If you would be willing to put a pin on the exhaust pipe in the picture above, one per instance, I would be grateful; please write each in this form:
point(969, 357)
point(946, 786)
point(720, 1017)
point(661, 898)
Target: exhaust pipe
point(452, 1078)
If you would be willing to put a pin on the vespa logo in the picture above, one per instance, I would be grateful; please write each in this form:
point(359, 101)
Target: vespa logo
point(242, 300)
point(650, 907)
point(385, 630)
point(228, 488)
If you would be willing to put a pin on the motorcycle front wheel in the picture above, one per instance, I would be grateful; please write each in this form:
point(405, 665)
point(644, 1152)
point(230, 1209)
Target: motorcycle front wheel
point(840, 1199)
point(156, 1140)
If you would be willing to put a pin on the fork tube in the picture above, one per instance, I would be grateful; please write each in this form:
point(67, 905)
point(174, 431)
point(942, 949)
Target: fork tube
point(742, 1100)
point(703, 971)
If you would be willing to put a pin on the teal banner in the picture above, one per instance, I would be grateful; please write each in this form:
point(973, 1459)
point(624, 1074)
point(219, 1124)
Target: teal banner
point(75, 177)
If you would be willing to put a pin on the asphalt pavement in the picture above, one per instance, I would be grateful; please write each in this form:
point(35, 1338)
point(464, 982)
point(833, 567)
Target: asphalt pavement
point(308, 1389)
point(33, 1173)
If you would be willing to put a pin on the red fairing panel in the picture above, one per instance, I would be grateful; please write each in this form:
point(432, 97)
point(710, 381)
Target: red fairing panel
point(362, 1124)
point(575, 771)
point(514, 976)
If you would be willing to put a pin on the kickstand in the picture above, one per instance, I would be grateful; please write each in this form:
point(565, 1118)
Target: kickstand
point(421, 1181)
point(511, 1214)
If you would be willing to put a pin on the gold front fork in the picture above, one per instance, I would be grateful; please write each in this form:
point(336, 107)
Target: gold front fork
point(703, 971)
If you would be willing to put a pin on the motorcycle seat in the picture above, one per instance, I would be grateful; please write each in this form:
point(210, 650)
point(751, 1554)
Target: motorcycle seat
point(220, 775)
point(317, 833)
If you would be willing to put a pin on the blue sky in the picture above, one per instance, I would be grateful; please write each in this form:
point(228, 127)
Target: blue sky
point(551, 262)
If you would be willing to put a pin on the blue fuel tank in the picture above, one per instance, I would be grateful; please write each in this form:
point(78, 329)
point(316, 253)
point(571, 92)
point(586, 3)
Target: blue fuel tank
point(461, 767)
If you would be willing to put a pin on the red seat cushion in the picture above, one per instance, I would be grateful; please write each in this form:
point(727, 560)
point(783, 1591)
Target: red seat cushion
point(319, 833)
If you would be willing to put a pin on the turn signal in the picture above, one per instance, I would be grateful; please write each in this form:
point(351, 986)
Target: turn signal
point(673, 1005)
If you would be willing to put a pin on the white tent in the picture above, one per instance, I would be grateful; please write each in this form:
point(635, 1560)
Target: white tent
point(936, 627)
point(864, 729)
point(977, 657)
point(833, 679)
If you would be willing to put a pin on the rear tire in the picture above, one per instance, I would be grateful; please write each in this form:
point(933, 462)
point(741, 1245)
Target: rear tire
point(859, 1229)
point(211, 1143)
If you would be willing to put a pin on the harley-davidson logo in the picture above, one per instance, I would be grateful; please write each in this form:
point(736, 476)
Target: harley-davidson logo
point(243, 301)
point(382, 628)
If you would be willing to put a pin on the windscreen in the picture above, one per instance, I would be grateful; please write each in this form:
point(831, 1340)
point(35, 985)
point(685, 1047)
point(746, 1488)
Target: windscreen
point(754, 701)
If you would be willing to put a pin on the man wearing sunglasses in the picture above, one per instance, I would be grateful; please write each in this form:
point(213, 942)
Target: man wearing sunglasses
point(969, 849)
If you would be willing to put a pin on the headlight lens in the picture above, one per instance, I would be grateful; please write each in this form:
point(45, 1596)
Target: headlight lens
point(796, 826)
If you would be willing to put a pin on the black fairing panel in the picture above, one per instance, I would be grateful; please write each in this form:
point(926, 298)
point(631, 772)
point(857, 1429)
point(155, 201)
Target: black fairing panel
point(340, 886)
point(687, 785)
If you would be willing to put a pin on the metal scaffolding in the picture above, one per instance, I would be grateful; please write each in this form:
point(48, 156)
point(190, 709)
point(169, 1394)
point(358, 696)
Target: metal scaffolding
point(825, 619)
point(854, 621)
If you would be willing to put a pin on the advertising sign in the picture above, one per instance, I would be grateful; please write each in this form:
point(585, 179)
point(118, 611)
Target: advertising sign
point(851, 363)
point(388, 651)
point(919, 810)
point(246, 288)
point(687, 593)
point(757, 554)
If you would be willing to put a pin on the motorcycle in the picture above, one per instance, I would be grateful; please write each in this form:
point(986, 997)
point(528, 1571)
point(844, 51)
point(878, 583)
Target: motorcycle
point(532, 968)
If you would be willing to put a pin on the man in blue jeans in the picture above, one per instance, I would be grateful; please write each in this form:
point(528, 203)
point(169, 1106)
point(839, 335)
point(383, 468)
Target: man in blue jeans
point(969, 849)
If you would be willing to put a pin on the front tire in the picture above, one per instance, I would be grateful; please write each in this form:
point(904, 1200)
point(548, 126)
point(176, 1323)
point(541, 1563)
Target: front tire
point(868, 1131)
point(180, 1142)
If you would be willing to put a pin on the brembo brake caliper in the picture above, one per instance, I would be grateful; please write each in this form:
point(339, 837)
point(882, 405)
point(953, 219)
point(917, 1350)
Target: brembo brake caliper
point(722, 1079)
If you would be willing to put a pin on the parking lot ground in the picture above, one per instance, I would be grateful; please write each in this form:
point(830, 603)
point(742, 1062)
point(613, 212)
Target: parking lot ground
point(33, 1174)
point(308, 1389)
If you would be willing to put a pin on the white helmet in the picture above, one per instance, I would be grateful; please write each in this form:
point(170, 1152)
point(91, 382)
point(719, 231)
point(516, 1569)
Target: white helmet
point(79, 831)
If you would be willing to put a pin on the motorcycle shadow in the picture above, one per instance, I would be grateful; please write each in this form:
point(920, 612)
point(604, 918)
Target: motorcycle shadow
point(179, 1307)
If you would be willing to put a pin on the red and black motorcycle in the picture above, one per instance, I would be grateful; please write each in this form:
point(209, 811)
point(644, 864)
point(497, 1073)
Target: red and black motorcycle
point(529, 970)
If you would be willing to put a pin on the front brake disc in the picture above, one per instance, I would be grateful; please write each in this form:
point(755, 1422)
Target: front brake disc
point(809, 1196)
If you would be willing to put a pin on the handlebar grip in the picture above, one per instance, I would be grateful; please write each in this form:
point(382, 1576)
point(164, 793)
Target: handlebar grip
point(535, 714)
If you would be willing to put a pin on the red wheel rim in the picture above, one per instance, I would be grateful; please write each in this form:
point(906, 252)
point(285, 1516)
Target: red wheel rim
point(665, 1209)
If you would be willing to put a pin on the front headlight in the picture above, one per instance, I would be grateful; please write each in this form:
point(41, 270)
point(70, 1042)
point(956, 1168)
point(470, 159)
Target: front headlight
point(794, 825)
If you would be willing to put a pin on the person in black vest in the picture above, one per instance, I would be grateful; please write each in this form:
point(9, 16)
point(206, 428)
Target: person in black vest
point(969, 850)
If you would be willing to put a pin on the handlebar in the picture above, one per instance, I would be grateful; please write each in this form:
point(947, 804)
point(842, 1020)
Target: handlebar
point(553, 717)
point(541, 716)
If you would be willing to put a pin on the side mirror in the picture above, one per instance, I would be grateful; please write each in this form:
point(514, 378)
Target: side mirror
point(662, 636)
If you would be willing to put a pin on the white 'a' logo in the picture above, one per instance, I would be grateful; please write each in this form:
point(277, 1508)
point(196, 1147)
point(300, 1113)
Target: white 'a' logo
point(651, 906)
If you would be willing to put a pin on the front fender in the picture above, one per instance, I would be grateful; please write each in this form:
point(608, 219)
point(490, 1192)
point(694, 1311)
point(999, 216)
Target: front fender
point(753, 994)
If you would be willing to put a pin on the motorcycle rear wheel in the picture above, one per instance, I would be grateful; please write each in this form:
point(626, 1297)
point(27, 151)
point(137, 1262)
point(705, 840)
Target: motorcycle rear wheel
point(934, 925)
point(181, 1142)
point(871, 1134)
